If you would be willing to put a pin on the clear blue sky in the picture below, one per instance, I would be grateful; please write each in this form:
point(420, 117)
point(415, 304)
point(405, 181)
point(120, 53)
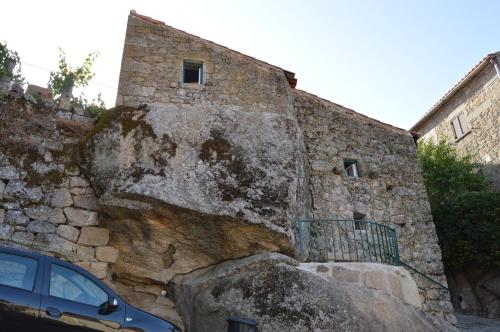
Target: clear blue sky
point(391, 60)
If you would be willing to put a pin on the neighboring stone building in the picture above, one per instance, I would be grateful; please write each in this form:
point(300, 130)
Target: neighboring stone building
point(468, 116)
point(200, 172)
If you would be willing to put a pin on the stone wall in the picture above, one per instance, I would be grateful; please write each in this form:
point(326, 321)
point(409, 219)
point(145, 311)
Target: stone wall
point(389, 190)
point(479, 102)
point(152, 69)
point(203, 174)
point(47, 204)
point(390, 280)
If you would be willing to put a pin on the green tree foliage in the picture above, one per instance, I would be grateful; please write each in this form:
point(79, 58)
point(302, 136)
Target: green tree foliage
point(67, 75)
point(470, 232)
point(7, 55)
point(466, 217)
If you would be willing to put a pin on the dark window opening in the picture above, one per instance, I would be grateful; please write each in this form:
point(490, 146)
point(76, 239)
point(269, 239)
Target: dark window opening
point(192, 72)
point(358, 221)
point(351, 168)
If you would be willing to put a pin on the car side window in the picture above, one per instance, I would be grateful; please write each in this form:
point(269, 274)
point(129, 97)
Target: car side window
point(17, 271)
point(71, 285)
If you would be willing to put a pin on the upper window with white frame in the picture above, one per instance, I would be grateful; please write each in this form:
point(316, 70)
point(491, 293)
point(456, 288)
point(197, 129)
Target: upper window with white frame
point(459, 126)
point(192, 72)
point(351, 168)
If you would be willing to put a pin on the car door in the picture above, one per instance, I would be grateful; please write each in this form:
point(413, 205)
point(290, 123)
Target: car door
point(72, 300)
point(20, 285)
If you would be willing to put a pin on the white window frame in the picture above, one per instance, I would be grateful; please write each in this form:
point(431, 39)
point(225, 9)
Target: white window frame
point(198, 64)
point(353, 166)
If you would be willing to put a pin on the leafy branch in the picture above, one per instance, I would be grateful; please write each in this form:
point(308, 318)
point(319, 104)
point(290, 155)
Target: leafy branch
point(10, 60)
point(68, 76)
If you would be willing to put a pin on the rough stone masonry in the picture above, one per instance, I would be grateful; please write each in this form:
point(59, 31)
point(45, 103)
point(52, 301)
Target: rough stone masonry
point(182, 177)
point(236, 87)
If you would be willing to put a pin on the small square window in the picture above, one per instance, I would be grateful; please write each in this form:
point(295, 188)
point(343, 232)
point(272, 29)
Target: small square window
point(351, 168)
point(192, 72)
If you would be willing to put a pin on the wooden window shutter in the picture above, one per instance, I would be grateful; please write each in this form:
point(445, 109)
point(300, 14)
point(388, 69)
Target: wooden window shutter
point(463, 124)
point(457, 130)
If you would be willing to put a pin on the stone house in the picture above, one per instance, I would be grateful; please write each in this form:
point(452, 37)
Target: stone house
point(185, 198)
point(175, 73)
point(468, 116)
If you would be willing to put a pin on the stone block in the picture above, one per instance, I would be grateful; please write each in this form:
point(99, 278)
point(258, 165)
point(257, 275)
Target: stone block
point(106, 254)
point(17, 189)
point(84, 253)
point(53, 243)
point(25, 238)
point(9, 173)
point(16, 217)
point(94, 236)
point(322, 269)
point(81, 191)
point(399, 219)
point(61, 198)
point(6, 231)
point(2, 216)
point(78, 181)
point(10, 205)
point(88, 202)
point(347, 275)
point(79, 217)
point(68, 232)
point(99, 269)
point(37, 226)
point(57, 216)
point(374, 279)
point(39, 212)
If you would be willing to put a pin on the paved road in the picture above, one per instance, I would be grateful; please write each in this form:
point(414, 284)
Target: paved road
point(467, 323)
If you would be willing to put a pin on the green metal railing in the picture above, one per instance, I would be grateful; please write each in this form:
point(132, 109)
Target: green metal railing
point(347, 240)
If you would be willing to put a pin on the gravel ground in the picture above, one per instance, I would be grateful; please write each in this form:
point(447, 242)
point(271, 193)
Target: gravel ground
point(468, 323)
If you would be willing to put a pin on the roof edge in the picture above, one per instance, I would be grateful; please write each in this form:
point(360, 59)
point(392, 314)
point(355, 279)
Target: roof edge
point(290, 76)
point(455, 89)
point(365, 117)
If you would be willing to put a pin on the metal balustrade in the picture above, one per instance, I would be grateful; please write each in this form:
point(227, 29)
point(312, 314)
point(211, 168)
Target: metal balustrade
point(346, 240)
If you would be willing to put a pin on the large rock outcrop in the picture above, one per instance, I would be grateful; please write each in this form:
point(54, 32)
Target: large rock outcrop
point(281, 297)
point(190, 174)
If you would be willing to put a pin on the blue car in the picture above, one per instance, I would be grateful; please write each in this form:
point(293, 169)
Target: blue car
point(42, 293)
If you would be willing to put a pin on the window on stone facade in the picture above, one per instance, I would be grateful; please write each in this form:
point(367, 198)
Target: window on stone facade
point(459, 126)
point(351, 167)
point(192, 72)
